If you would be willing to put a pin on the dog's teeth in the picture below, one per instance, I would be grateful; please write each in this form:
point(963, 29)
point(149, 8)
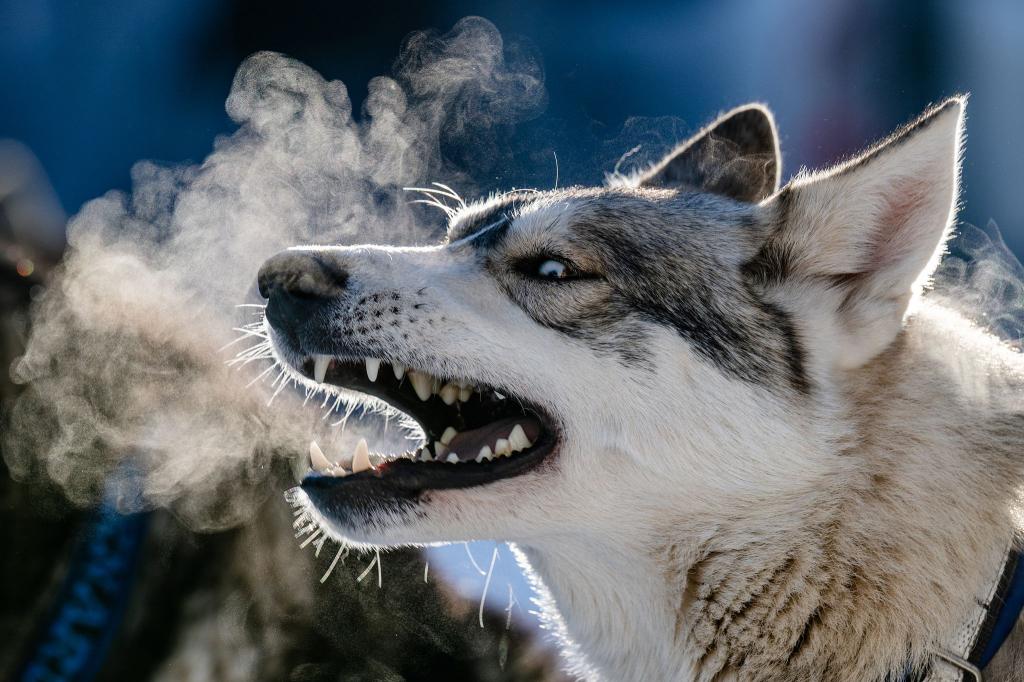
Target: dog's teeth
point(449, 394)
point(338, 472)
point(465, 393)
point(502, 447)
point(452, 458)
point(399, 370)
point(421, 383)
point(372, 368)
point(317, 458)
point(485, 453)
point(517, 439)
point(499, 396)
point(320, 363)
point(361, 458)
point(440, 448)
point(448, 434)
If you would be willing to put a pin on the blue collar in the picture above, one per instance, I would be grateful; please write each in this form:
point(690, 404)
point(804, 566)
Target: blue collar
point(1006, 607)
point(1000, 614)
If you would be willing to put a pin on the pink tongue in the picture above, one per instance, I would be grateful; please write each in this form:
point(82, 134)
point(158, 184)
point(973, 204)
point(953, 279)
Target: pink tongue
point(468, 443)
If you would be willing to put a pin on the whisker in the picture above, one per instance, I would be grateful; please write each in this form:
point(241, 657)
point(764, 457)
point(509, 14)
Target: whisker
point(278, 391)
point(446, 209)
point(487, 585)
point(471, 559)
point(366, 571)
point(512, 601)
point(316, 534)
point(330, 569)
point(452, 193)
point(260, 376)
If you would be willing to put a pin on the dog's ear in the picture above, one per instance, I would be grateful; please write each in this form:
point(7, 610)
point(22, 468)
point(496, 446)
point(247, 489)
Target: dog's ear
point(737, 156)
point(872, 230)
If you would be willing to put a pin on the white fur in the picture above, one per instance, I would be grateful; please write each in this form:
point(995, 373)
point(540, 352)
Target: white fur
point(660, 472)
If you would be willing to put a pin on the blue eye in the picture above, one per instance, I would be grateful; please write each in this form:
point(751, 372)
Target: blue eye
point(552, 269)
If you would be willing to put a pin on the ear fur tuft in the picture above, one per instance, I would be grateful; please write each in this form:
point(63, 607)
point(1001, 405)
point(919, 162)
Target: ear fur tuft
point(874, 227)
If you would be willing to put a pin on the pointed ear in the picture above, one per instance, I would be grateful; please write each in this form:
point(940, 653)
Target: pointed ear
point(737, 156)
point(873, 229)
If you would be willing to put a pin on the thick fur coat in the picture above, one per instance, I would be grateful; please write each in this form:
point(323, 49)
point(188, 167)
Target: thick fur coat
point(776, 459)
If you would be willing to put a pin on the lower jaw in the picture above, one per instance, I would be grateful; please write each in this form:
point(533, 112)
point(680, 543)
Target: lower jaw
point(380, 498)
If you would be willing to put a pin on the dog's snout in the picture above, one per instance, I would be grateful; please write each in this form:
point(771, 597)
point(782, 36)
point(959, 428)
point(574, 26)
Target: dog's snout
point(298, 283)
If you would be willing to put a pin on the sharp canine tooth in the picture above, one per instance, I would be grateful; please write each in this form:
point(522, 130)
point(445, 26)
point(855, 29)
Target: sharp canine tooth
point(449, 393)
point(316, 457)
point(502, 447)
point(372, 368)
point(453, 458)
point(517, 439)
point(448, 434)
point(399, 370)
point(361, 459)
point(421, 383)
point(320, 363)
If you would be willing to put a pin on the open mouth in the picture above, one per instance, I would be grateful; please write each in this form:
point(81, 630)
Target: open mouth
point(474, 435)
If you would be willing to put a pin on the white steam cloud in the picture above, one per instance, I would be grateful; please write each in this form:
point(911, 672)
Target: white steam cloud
point(126, 383)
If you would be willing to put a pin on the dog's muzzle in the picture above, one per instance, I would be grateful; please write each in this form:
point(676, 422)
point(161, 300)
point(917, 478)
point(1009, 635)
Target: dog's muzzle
point(298, 285)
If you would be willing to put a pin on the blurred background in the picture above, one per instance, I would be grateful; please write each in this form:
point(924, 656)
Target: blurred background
point(89, 88)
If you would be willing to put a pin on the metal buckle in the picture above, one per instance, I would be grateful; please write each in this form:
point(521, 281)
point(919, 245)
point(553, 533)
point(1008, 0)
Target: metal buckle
point(960, 663)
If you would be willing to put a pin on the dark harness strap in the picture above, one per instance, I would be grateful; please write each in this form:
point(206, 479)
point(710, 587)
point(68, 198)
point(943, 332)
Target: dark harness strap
point(74, 638)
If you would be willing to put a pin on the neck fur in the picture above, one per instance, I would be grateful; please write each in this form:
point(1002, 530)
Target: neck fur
point(853, 576)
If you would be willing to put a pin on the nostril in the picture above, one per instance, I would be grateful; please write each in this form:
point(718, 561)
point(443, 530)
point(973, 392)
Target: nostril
point(301, 274)
point(264, 283)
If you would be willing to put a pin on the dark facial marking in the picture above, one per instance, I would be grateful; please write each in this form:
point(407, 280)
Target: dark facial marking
point(666, 276)
point(657, 265)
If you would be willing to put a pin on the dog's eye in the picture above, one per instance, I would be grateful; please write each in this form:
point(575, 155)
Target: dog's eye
point(552, 269)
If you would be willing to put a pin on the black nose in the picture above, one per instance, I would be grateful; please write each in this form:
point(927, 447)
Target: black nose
point(297, 284)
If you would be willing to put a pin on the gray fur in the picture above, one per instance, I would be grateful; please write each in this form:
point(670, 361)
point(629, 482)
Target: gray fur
point(797, 466)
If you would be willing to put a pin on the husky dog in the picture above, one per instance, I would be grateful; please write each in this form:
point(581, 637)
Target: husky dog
point(719, 421)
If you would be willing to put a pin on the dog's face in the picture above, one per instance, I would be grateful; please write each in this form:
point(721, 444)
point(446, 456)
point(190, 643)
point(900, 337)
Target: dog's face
point(584, 358)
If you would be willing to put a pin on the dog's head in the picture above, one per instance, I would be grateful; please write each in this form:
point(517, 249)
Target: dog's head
point(576, 358)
